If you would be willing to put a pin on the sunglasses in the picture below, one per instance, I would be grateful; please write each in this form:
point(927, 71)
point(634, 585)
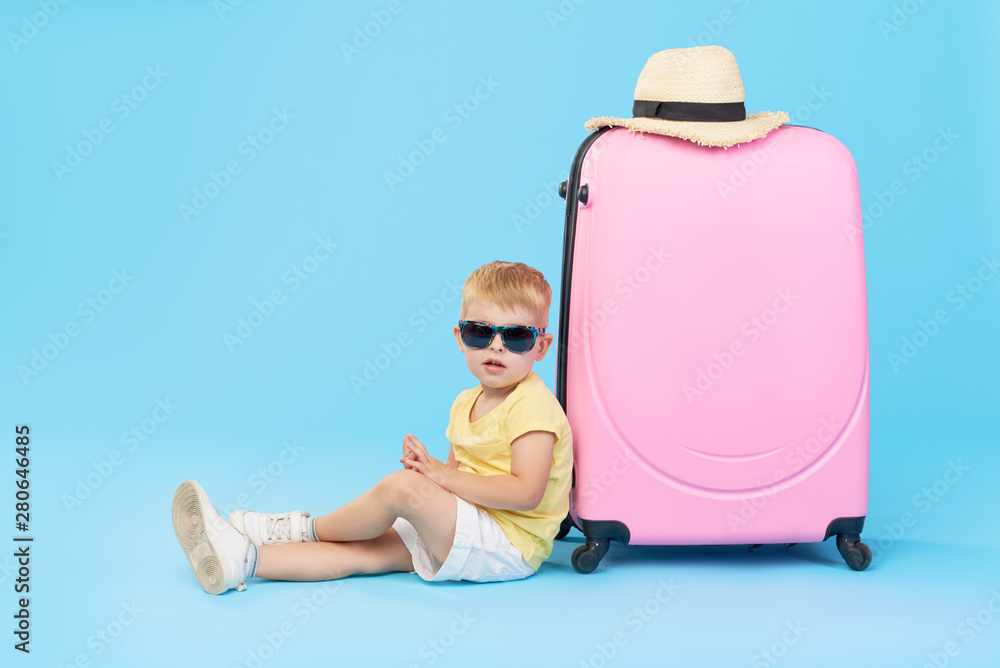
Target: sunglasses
point(516, 338)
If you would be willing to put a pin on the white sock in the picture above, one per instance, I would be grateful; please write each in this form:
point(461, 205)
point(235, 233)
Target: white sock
point(311, 529)
point(250, 563)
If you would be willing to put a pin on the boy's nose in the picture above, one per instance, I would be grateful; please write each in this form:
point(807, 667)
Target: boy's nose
point(497, 341)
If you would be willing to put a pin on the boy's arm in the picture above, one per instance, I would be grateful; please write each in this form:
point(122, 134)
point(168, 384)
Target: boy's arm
point(522, 489)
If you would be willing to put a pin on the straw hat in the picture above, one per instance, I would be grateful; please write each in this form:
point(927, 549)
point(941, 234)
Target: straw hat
point(695, 94)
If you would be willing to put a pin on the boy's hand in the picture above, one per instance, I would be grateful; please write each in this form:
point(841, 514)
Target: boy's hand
point(407, 459)
point(416, 458)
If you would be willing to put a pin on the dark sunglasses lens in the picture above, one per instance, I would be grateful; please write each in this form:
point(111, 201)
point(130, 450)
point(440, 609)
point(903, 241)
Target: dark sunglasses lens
point(476, 336)
point(519, 339)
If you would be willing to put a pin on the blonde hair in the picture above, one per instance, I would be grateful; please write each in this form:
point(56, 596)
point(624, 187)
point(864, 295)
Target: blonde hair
point(511, 286)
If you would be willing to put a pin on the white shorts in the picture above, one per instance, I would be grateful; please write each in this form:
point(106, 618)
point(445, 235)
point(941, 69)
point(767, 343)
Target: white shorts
point(481, 551)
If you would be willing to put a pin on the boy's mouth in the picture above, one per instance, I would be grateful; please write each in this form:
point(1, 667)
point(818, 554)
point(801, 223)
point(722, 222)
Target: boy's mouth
point(494, 365)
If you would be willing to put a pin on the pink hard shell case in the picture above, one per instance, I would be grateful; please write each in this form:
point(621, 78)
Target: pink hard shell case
point(713, 348)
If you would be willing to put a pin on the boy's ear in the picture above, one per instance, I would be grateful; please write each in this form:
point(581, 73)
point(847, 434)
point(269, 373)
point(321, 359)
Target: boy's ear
point(457, 331)
point(544, 341)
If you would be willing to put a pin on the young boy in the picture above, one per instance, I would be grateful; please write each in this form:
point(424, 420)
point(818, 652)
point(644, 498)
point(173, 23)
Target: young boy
point(489, 513)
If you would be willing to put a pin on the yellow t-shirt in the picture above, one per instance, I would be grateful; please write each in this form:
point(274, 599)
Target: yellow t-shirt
point(483, 448)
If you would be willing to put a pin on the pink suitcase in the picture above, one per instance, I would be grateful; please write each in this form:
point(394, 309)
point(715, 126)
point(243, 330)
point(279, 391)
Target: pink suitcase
point(713, 343)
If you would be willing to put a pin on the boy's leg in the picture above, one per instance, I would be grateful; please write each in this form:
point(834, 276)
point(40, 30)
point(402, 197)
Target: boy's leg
point(431, 510)
point(311, 562)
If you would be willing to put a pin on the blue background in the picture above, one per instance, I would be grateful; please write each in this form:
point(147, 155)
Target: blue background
point(276, 417)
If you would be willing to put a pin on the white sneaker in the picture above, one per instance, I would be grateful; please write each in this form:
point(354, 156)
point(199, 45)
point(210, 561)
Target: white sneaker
point(264, 529)
point(221, 557)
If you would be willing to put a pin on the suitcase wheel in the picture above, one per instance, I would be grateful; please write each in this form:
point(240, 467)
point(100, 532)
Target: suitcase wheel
point(587, 557)
point(857, 555)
